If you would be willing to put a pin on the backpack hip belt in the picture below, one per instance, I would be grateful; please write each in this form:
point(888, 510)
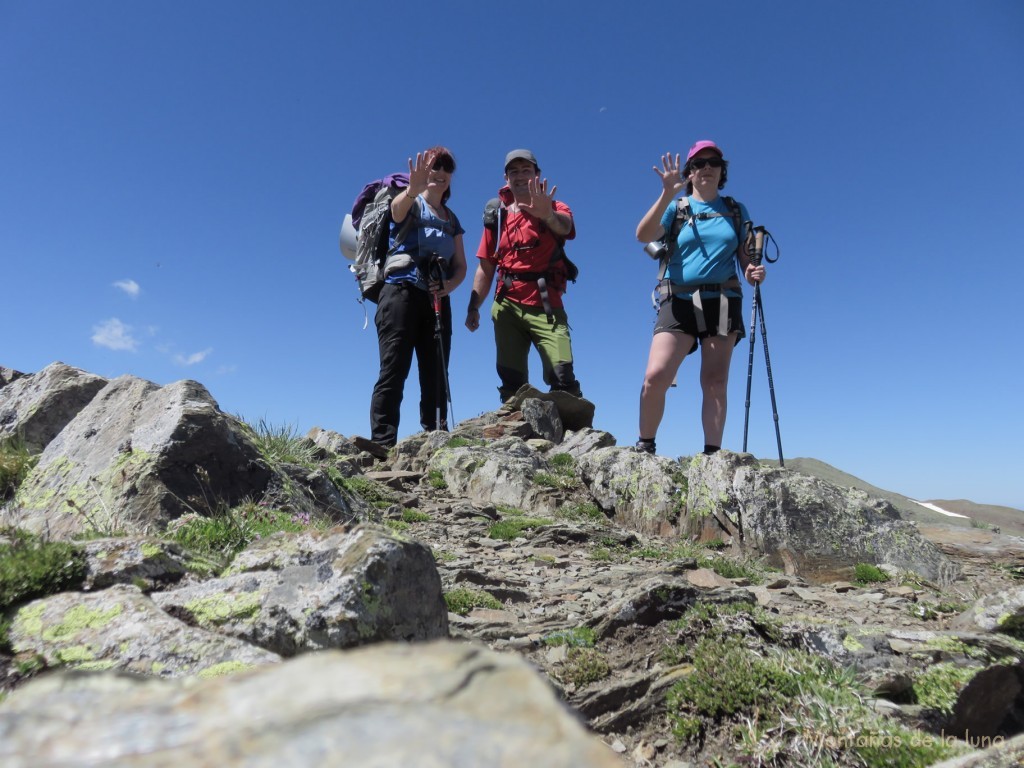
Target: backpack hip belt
point(667, 289)
point(507, 276)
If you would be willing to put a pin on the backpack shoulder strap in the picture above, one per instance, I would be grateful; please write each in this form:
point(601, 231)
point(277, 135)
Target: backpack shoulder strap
point(412, 219)
point(493, 214)
point(737, 221)
point(453, 221)
point(683, 215)
point(736, 213)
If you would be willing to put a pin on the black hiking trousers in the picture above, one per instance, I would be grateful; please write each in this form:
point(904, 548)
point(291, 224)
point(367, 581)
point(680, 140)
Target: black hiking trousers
point(405, 325)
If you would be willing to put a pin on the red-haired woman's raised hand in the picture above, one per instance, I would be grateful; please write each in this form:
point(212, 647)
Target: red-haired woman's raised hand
point(670, 173)
point(420, 171)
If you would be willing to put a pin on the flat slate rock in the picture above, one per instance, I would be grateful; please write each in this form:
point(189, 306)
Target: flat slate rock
point(575, 412)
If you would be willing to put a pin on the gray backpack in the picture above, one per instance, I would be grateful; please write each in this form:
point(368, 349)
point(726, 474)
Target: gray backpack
point(371, 217)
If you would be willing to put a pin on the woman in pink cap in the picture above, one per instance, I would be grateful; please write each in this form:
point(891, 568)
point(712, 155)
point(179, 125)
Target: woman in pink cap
point(699, 291)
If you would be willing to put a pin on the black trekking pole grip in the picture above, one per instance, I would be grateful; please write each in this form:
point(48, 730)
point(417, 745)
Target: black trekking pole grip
point(758, 254)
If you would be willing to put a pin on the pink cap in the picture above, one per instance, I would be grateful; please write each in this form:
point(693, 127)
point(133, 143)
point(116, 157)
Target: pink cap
point(704, 144)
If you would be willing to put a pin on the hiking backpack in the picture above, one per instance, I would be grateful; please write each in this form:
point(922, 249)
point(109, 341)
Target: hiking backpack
point(371, 220)
point(492, 221)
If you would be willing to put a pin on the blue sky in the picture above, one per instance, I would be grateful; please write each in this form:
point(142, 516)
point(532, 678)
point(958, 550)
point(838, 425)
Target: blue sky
point(173, 177)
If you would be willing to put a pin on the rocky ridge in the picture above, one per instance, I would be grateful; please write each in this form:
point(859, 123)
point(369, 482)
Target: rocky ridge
point(530, 546)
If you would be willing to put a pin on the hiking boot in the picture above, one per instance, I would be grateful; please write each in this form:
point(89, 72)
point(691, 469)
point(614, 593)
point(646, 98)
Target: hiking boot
point(375, 449)
point(644, 446)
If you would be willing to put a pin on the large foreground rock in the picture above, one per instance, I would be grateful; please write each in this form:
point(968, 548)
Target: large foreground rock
point(39, 406)
point(803, 524)
point(309, 591)
point(500, 472)
point(441, 705)
point(999, 612)
point(120, 628)
point(135, 457)
point(643, 492)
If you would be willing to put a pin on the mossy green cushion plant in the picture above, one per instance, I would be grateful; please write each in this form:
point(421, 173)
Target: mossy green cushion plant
point(584, 666)
point(31, 567)
point(865, 573)
point(463, 600)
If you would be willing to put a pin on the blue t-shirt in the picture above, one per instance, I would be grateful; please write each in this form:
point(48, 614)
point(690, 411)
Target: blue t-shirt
point(432, 236)
point(711, 258)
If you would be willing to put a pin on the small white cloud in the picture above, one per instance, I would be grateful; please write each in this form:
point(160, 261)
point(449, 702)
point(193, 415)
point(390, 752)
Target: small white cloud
point(603, 109)
point(195, 357)
point(128, 286)
point(113, 334)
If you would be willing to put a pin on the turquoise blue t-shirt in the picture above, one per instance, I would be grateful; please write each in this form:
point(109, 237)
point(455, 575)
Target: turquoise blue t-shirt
point(711, 258)
point(433, 237)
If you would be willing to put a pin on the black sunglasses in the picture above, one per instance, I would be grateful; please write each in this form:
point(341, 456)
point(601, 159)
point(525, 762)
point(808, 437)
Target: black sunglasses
point(714, 162)
point(445, 164)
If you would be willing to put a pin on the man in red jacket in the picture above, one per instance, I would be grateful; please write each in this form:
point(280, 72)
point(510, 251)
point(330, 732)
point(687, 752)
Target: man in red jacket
point(524, 232)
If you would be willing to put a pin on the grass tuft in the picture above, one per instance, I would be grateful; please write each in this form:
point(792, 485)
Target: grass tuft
point(281, 444)
point(15, 463)
point(865, 573)
point(507, 530)
point(584, 666)
point(31, 567)
point(463, 600)
point(578, 637)
point(435, 479)
point(226, 532)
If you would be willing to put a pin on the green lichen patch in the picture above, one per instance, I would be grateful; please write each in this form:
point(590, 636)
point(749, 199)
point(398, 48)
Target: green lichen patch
point(223, 669)
point(852, 644)
point(95, 666)
point(216, 610)
point(150, 550)
point(75, 654)
point(1011, 624)
point(80, 619)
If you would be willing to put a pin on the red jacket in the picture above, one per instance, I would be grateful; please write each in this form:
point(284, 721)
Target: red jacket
point(526, 245)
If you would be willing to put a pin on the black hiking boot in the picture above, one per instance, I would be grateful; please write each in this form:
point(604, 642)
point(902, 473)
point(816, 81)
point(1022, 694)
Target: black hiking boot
point(644, 446)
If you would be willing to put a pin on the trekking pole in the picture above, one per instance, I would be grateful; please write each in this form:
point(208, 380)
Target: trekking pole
point(760, 233)
point(768, 367)
point(442, 376)
point(755, 259)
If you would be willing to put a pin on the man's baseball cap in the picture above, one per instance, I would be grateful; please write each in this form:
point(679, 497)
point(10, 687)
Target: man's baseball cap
point(701, 145)
point(521, 154)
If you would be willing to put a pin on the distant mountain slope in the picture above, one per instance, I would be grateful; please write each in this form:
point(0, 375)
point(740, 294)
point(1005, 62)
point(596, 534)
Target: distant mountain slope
point(1008, 520)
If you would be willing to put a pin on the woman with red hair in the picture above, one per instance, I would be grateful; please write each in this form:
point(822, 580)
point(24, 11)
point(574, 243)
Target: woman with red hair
point(423, 267)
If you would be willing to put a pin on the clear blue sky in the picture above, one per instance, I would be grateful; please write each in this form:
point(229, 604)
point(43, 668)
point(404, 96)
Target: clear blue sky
point(173, 177)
